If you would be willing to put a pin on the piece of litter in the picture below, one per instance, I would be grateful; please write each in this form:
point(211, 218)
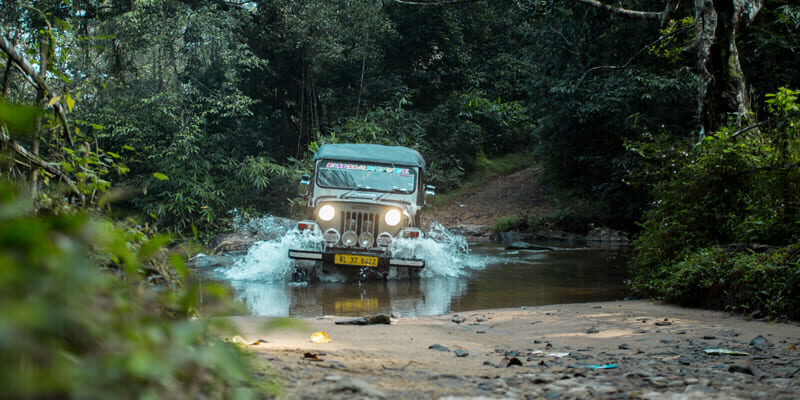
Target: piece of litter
point(320, 337)
point(719, 352)
point(542, 353)
point(241, 341)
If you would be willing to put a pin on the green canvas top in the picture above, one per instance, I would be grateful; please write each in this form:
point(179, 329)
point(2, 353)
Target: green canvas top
point(371, 153)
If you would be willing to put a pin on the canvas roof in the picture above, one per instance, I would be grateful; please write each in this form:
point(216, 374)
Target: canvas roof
point(371, 153)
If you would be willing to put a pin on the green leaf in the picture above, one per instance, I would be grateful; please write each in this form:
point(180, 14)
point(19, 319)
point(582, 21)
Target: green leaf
point(70, 101)
point(160, 176)
point(19, 119)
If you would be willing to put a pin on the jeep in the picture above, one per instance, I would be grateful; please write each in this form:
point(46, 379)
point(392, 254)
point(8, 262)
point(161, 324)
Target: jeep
point(361, 198)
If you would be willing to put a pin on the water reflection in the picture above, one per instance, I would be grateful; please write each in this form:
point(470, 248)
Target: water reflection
point(508, 278)
point(407, 297)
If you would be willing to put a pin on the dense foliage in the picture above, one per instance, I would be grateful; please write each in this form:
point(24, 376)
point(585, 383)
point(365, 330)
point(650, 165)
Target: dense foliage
point(80, 319)
point(169, 114)
point(715, 205)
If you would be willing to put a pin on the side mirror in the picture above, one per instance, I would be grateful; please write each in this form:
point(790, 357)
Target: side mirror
point(305, 182)
point(430, 195)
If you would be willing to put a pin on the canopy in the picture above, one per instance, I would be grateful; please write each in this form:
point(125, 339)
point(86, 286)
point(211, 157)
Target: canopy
point(371, 153)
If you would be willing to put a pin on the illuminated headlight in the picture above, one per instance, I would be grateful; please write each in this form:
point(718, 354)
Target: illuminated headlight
point(331, 237)
point(384, 239)
point(392, 217)
point(365, 240)
point(349, 238)
point(327, 212)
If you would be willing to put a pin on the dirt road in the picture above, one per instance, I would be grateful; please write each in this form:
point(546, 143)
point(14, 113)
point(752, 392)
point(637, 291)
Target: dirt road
point(628, 349)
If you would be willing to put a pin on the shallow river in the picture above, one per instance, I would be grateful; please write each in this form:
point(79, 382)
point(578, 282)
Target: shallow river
point(458, 277)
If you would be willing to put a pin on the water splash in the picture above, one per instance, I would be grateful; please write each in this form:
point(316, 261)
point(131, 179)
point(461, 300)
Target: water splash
point(269, 260)
point(445, 254)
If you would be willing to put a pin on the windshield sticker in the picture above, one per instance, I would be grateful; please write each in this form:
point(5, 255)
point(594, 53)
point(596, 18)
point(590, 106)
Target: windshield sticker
point(375, 168)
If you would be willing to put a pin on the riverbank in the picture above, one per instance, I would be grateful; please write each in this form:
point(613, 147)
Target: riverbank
point(626, 349)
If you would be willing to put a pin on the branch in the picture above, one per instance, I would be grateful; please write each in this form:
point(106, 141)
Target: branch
point(627, 63)
point(624, 12)
point(13, 145)
point(26, 67)
point(433, 2)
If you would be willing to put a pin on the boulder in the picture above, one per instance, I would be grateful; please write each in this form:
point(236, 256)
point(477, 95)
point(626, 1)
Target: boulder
point(603, 234)
point(241, 240)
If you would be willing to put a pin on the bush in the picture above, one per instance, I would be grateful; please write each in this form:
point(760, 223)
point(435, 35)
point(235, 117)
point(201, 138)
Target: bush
point(737, 186)
point(765, 284)
point(71, 328)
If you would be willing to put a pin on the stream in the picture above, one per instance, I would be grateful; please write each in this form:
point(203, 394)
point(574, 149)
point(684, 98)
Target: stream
point(459, 276)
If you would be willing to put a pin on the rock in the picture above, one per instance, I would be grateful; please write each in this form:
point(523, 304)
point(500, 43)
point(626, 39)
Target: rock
point(592, 330)
point(368, 320)
point(760, 342)
point(602, 234)
point(357, 386)
point(461, 353)
point(508, 237)
point(623, 347)
point(468, 230)
point(438, 347)
point(558, 235)
point(526, 246)
point(507, 362)
point(267, 228)
point(458, 319)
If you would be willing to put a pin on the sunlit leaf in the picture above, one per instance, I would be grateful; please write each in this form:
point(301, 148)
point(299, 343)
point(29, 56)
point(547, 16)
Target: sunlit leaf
point(53, 100)
point(160, 176)
point(70, 101)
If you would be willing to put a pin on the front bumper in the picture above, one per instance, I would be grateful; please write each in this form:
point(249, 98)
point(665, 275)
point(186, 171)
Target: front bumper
point(351, 258)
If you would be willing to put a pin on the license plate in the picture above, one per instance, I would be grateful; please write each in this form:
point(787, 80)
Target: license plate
point(350, 259)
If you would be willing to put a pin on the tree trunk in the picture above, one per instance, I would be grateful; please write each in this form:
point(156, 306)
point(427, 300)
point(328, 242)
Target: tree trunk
point(722, 88)
point(40, 96)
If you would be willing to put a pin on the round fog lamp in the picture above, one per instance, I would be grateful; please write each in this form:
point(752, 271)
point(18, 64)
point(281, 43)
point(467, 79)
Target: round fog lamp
point(349, 238)
point(331, 237)
point(365, 240)
point(392, 217)
point(384, 239)
point(327, 212)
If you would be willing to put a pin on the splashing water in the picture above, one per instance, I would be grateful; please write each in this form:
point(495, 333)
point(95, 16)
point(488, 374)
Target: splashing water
point(269, 260)
point(445, 254)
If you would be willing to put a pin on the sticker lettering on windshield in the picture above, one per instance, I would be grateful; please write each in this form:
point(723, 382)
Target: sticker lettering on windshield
point(371, 168)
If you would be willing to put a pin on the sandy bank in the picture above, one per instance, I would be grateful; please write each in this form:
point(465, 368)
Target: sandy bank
point(629, 349)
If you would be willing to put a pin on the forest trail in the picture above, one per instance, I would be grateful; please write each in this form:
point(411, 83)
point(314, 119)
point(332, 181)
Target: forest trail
point(476, 211)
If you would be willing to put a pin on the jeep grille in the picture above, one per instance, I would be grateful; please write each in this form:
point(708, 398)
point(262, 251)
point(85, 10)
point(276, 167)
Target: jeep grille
point(359, 222)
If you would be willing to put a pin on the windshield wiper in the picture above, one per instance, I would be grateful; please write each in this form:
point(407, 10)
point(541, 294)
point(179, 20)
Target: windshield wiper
point(364, 188)
point(400, 190)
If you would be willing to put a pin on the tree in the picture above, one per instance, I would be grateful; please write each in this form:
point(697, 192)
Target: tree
point(722, 88)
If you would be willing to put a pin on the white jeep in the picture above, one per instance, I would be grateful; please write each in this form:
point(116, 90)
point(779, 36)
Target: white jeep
point(361, 198)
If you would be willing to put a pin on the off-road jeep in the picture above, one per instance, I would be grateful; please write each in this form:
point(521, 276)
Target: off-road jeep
point(361, 198)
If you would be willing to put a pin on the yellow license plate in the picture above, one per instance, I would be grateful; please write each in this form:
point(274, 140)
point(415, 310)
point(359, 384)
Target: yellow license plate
point(350, 259)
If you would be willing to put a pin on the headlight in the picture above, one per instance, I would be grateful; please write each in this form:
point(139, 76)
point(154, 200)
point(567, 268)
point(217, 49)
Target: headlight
point(327, 212)
point(392, 217)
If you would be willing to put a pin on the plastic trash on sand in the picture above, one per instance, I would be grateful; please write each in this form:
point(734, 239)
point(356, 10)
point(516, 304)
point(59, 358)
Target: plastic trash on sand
point(720, 352)
point(320, 337)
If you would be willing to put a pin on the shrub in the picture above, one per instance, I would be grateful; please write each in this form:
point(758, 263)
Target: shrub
point(71, 328)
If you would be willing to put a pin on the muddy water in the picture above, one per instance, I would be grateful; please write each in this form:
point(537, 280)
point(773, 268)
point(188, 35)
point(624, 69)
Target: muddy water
point(460, 277)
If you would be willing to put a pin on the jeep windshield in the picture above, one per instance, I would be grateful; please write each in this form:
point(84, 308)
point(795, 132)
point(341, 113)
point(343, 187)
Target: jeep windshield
point(356, 176)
